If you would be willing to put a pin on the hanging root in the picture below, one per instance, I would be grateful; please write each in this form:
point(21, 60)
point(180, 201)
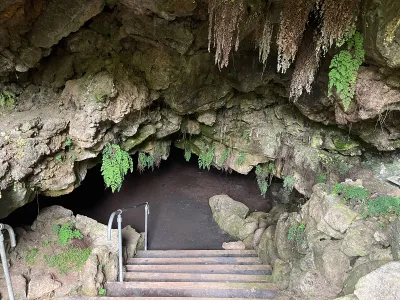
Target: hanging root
point(225, 16)
point(292, 25)
point(306, 65)
point(337, 20)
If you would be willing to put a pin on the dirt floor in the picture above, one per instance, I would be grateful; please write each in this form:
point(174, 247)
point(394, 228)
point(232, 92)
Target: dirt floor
point(178, 194)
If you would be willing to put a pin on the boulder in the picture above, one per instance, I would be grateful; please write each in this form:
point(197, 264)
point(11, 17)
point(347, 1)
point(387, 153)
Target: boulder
point(358, 240)
point(266, 250)
point(41, 286)
point(286, 249)
point(208, 118)
point(225, 204)
point(383, 283)
point(19, 287)
point(281, 274)
point(234, 245)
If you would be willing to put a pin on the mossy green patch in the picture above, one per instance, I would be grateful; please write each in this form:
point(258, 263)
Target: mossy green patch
point(70, 259)
point(31, 256)
point(344, 144)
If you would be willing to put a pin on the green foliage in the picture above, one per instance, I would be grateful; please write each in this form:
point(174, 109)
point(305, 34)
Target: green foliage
point(7, 99)
point(206, 157)
point(246, 136)
point(70, 259)
point(288, 183)
point(354, 194)
point(66, 233)
point(116, 163)
point(344, 68)
point(382, 205)
point(321, 178)
point(68, 143)
point(296, 233)
point(188, 155)
point(264, 175)
point(31, 256)
point(241, 159)
point(145, 161)
point(102, 292)
point(59, 158)
point(225, 155)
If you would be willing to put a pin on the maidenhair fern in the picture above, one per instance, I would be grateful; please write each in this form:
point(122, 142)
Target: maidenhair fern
point(288, 184)
point(344, 68)
point(206, 157)
point(188, 155)
point(264, 176)
point(7, 99)
point(116, 163)
point(241, 159)
point(145, 161)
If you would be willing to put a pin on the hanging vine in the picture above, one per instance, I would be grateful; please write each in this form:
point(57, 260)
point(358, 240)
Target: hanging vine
point(292, 25)
point(225, 16)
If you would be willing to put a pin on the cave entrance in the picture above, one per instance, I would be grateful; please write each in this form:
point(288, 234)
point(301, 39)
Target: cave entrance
point(178, 193)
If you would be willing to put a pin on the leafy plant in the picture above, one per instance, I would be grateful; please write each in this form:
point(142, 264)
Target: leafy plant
point(7, 99)
point(246, 136)
point(344, 68)
point(31, 256)
point(354, 194)
point(66, 232)
point(264, 177)
point(59, 158)
point(382, 205)
point(102, 292)
point(145, 161)
point(288, 183)
point(296, 233)
point(188, 155)
point(71, 259)
point(321, 178)
point(241, 158)
point(115, 165)
point(225, 155)
point(68, 143)
point(206, 157)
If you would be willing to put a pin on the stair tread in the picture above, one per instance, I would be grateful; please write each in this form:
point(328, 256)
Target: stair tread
point(215, 269)
point(153, 298)
point(194, 260)
point(199, 277)
point(195, 285)
point(194, 253)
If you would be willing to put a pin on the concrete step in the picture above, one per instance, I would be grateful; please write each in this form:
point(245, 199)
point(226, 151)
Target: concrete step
point(195, 261)
point(192, 289)
point(203, 269)
point(153, 298)
point(194, 277)
point(196, 253)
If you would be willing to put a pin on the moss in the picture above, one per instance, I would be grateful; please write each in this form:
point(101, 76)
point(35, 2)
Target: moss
point(344, 144)
point(390, 31)
point(208, 131)
point(138, 138)
point(31, 256)
point(70, 259)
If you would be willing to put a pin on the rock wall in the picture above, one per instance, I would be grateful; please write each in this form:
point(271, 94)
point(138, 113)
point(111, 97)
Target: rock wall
point(138, 73)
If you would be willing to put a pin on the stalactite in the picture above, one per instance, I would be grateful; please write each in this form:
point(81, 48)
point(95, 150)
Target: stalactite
point(225, 16)
point(292, 25)
point(264, 43)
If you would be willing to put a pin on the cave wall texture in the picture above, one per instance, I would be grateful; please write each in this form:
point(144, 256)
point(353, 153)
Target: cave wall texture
point(138, 73)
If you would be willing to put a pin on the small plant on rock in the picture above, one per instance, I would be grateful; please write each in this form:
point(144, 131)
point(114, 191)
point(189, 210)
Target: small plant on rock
point(31, 256)
point(115, 165)
point(102, 292)
point(241, 159)
point(188, 155)
point(7, 99)
point(321, 178)
point(381, 206)
point(264, 177)
point(71, 259)
point(206, 157)
point(296, 233)
point(351, 193)
point(67, 232)
point(145, 161)
point(288, 184)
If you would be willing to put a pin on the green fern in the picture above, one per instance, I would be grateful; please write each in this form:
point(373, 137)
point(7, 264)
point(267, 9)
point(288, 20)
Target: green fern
point(344, 68)
point(264, 174)
point(188, 155)
point(7, 99)
point(224, 157)
point(145, 161)
point(241, 159)
point(288, 183)
point(116, 163)
point(206, 157)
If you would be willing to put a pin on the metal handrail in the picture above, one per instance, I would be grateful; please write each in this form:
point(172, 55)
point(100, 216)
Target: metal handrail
point(119, 221)
point(4, 257)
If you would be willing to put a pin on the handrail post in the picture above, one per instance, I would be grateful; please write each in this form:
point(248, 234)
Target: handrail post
point(146, 213)
point(4, 257)
point(119, 221)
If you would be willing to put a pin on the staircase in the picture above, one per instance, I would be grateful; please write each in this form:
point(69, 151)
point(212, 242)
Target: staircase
point(193, 274)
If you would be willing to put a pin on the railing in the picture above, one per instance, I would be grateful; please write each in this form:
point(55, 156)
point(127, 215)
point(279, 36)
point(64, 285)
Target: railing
point(119, 221)
point(4, 257)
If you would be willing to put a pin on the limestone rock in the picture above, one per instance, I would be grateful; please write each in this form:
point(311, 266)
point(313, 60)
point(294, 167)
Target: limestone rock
point(281, 274)
point(208, 118)
point(358, 240)
point(19, 287)
point(336, 266)
point(338, 215)
point(250, 226)
point(225, 204)
point(266, 250)
point(348, 297)
point(286, 249)
point(60, 19)
point(257, 237)
point(383, 283)
point(395, 239)
point(358, 272)
point(43, 285)
point(234, 245)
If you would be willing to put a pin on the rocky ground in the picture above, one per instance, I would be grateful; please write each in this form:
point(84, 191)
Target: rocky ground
point(42, 266)
point(328, 249)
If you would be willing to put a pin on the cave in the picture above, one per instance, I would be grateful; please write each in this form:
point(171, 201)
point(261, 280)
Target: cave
point(264, 134)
